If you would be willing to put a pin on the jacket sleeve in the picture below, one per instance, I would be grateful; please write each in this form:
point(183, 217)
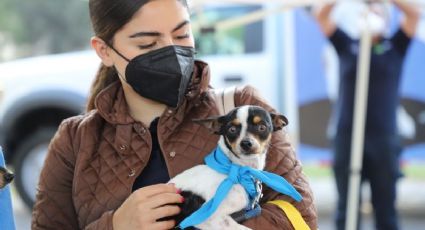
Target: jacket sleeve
point(54, 207)
point(281, 160)
point(103, 223)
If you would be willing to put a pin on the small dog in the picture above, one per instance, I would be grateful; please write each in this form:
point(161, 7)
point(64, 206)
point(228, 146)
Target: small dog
point(5, 177)
point(245, 138)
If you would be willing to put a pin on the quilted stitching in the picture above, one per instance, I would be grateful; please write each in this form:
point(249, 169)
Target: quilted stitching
point(88, 177)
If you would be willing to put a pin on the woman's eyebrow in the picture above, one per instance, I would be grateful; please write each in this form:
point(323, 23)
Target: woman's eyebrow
point(180, 25)
point(157, 34)
point(145, 34)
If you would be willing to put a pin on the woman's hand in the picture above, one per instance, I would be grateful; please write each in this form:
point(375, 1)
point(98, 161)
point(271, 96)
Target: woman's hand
point(145, 206)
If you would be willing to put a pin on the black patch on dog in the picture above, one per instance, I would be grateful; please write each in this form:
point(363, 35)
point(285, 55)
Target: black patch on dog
point(226, 122)
point(192, 202)
point(265, 120)
point(229, 147)
point(230, 137)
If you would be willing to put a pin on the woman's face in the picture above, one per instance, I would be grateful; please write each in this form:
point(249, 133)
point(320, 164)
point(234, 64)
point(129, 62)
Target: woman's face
point(157, 24)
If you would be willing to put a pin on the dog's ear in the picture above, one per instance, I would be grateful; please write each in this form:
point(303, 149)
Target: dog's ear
point(214, 124)
point(279, 121)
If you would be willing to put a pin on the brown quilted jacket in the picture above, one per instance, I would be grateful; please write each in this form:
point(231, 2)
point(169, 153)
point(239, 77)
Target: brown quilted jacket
point(94, 159)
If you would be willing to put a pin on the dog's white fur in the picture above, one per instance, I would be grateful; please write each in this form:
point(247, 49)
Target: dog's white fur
point(204, 181)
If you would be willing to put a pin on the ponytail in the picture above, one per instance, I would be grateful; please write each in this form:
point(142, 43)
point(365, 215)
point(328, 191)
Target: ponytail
point(104, 77)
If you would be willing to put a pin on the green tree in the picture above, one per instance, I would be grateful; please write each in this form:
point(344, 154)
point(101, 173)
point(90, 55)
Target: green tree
point(45, 26)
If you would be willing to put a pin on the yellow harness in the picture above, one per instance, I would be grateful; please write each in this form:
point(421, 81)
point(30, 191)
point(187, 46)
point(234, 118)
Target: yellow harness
point(292, 213)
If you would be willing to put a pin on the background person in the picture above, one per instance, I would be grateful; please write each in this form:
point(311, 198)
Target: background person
point(382, 145)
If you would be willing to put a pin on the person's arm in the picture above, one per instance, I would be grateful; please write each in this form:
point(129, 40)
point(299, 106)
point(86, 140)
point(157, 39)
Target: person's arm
point(281, 160)
point(411, 17)
point(323, 17)
point(54, 207)
point(402, 38)
point(338, 38)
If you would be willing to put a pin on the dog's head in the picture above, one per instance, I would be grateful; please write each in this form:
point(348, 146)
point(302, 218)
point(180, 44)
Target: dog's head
point(246, 132)
point(5, 177)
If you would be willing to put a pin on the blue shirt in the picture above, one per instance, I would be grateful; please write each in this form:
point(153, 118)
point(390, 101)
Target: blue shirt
point(385, 71)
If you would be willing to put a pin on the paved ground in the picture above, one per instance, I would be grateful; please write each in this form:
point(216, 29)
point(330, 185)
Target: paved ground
point(411, 204)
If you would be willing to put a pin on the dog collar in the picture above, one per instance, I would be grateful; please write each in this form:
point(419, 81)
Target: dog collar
point(237, 174)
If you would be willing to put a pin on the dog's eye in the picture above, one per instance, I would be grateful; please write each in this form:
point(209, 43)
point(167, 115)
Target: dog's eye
point(232, 129)
point(262, 128)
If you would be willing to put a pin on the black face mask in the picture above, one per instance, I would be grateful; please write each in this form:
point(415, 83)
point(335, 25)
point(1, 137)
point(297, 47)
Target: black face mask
point(161, 75)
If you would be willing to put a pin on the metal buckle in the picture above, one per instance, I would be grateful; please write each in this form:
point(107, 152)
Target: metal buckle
point(259, 188)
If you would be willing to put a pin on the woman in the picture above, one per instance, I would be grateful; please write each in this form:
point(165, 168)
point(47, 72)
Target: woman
point(106, 169)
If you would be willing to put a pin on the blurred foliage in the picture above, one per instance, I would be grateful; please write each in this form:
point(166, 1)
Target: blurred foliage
point(317, 171)
point(235, 41)
point(410, 171)
point(45, 26)
point(415, 171)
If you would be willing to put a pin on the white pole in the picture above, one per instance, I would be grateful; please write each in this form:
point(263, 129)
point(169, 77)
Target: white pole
point(289, 77)
point(359, 123)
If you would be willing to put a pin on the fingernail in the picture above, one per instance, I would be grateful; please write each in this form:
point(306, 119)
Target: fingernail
point(182, 200)
point(179, 191)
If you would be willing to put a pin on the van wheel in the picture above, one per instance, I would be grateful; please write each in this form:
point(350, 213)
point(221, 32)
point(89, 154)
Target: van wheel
point(29, 161)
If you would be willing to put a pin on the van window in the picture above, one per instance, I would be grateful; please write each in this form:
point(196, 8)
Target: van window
point(245, 39)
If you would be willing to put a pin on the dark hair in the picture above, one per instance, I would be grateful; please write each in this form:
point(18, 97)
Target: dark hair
point(107, 18)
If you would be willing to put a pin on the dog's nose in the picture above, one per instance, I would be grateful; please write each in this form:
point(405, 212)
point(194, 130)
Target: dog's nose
point(8, 177)
point(246, 145)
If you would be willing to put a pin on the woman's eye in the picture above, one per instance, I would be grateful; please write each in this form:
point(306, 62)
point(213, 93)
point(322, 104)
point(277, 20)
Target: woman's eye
point(147, 46)
point(183, 36)
point(262, 128)
point(232, 129)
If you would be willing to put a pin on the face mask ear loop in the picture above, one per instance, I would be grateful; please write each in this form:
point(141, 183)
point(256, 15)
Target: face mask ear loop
point(116, 51)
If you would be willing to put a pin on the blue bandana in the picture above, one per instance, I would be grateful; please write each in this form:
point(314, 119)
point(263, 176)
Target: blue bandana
point(237, 174)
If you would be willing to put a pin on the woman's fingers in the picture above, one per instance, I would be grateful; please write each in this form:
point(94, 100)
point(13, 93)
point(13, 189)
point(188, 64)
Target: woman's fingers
point(164, 225)
point(149, 191)
point(146, 205)
point(163, 199)
point(165, 211)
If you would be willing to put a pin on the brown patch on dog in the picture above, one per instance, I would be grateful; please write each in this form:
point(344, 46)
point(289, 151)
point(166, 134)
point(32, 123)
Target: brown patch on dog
point(234, 146)
point(236, 122)
point(256, 120)
point(264, 145)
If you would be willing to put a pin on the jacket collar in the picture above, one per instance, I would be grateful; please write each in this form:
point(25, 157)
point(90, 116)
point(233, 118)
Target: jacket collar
point(112, 105)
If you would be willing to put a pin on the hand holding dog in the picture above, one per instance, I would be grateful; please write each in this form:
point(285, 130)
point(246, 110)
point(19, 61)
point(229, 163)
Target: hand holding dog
point(145, 206)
